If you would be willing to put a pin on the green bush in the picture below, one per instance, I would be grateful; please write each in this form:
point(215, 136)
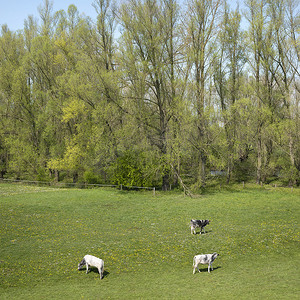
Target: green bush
point(91, 178)
point(127, 170)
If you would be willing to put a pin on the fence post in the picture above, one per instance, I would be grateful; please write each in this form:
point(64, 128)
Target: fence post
point(121, 188)
point(154, 191)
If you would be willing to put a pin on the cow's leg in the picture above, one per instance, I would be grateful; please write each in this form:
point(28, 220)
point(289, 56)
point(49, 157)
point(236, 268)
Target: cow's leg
point(87, 268)
point(100, 272)
point(194, 271)
point(209, 268)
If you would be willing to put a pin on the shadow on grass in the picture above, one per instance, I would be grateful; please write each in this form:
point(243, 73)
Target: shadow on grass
point(95, 270)
point(205, 270)
point(206, 232)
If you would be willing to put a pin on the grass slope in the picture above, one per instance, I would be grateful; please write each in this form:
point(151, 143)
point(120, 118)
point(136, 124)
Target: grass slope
point(146, 244)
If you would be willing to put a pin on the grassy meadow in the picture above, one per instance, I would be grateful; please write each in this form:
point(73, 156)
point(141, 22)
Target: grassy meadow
point(146, 244)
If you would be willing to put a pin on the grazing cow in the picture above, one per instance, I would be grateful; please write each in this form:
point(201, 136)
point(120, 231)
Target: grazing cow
point(204, 259)
point(93, 261)
point(198, 223)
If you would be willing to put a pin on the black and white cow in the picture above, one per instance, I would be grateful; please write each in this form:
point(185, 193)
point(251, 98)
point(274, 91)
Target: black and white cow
point(204, 259)
point(93, 261)
point(198, 223)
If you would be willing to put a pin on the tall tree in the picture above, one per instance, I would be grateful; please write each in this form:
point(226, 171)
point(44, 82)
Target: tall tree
point(162, 102)
point(11, 51)
point(257, 17)
point(202, 23)
point(149, 57)
point(228, 66)
point(286, 58)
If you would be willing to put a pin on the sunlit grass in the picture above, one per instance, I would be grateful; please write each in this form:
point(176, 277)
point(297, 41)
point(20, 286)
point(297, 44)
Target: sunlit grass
point(146, 244)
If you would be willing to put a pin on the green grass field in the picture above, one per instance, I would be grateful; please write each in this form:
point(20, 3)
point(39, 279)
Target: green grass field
point(146, 244)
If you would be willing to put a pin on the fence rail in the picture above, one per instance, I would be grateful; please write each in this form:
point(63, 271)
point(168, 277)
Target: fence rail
point(81, 185)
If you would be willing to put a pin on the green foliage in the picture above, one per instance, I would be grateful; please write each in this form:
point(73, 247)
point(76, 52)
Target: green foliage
point(23, 154)
point(129, 169)
point(91, 178)
point(159, 104)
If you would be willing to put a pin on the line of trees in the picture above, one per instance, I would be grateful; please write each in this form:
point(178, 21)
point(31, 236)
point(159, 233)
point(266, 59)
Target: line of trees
point(153, 93)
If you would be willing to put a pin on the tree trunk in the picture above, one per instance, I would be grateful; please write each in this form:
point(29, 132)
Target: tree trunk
point(259, 160)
